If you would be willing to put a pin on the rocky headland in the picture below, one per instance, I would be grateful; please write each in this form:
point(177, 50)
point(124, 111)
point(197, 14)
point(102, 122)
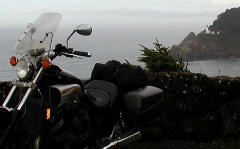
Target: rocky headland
point(219, 40)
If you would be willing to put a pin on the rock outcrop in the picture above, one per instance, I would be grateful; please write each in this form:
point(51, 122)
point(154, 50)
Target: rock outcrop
point(220, 40)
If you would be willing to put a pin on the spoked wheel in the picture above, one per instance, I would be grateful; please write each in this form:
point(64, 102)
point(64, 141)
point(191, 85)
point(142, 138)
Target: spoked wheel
point(39, 143)
point(45, 143)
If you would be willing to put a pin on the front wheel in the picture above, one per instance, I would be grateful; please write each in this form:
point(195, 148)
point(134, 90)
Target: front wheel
point(37, 143)
point(40, 143)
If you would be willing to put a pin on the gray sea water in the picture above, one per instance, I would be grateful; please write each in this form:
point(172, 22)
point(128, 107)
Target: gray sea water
point(219, 67)
point(107, 43)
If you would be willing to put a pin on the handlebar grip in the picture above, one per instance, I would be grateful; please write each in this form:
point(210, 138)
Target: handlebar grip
point(87, 54)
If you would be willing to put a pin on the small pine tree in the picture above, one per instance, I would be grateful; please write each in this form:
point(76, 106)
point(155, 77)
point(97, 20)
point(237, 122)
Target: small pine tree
point(157, 59)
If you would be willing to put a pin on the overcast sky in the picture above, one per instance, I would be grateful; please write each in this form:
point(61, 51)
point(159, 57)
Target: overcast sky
point(18, 12)
point(171, 20)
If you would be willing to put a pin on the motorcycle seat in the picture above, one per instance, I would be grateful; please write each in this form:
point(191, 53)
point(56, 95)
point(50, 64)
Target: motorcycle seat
point(102, 94)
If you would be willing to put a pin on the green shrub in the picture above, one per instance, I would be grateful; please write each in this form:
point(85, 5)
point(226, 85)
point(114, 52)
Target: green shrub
point(158, 59)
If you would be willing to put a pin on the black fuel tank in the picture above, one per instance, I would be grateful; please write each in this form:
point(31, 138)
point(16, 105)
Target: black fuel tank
point(56, 75)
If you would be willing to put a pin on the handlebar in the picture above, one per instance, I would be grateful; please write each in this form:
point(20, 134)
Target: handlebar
point(80, 53)
point(62, 50)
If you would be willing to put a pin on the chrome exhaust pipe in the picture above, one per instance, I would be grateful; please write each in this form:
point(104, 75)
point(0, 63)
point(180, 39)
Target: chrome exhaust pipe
point(125, 139)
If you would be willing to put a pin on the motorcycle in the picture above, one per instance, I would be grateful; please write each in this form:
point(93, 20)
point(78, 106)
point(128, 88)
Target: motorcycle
point(48, 107)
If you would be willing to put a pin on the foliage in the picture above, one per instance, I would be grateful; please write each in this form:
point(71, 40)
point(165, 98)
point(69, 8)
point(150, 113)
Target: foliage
point(158, 59)
point(227, 22)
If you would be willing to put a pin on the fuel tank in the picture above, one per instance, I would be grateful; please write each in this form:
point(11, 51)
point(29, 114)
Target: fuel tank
point(56, 75)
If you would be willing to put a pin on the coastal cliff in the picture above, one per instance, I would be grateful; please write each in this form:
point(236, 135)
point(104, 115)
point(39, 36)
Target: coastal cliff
point(219, 40)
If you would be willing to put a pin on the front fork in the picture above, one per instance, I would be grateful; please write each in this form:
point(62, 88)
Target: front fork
point(15, 110)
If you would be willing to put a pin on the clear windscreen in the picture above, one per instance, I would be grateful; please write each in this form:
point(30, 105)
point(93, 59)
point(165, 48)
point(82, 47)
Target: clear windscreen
point(34, 37)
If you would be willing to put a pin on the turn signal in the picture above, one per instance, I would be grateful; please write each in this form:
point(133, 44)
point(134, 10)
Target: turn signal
point(46, 63)
point(48, 113)
point(13, 61)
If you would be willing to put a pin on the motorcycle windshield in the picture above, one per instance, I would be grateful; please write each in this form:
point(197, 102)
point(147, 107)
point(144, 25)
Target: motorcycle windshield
point(38, 35)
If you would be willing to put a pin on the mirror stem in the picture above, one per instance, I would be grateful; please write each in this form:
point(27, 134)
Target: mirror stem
point(70, 37)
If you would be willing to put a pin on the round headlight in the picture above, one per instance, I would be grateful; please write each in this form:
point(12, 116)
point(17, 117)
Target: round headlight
point(23, 69)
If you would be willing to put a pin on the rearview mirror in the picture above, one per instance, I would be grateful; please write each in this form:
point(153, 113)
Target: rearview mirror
point(84, 29)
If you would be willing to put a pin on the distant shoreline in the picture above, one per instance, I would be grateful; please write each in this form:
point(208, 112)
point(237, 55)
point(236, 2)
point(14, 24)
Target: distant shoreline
point(208, 59)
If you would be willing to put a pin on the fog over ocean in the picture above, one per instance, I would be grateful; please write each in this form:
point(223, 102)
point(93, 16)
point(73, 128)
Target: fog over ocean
point(111, 42)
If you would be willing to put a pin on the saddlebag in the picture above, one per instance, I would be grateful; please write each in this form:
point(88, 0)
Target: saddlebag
point(125, 76)
point(143, 103)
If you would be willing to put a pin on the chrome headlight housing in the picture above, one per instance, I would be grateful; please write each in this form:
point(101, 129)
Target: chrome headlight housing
point(24, 69)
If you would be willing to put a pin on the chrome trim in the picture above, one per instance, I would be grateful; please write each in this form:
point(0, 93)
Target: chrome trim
point(6, 109)
point(24, 84)
point(39, 74)
point(13, 89)
point(30, 90)
point(27, 94)
point(73, 55)
point(31, 86)
point(120, 141)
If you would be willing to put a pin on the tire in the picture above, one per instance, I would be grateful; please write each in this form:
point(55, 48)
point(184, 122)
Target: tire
point(39, 143)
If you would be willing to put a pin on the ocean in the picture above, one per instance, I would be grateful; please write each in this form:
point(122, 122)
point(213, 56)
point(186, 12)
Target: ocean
point(111, 42)
point(218, 67)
